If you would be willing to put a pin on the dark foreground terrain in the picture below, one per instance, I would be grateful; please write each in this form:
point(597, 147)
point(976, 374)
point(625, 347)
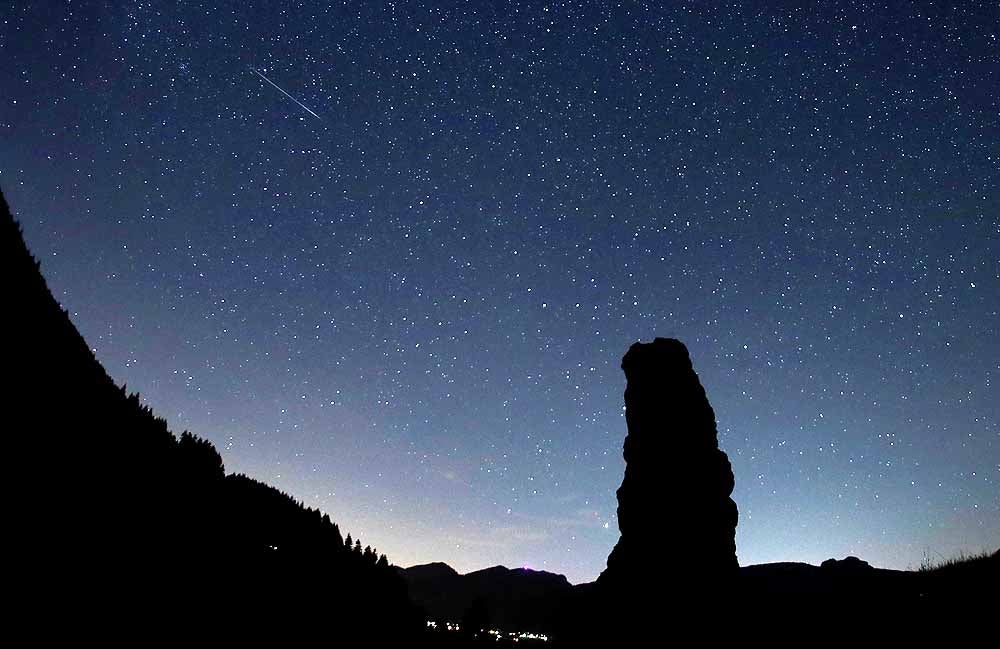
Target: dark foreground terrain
point(121, 526)
point(520, 600)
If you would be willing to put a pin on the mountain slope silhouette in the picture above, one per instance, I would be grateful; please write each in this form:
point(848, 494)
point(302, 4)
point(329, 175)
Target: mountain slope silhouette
point(516, 599)
point(119, 522)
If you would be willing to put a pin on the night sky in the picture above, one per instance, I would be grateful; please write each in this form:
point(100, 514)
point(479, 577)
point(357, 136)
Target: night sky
point(388, 256)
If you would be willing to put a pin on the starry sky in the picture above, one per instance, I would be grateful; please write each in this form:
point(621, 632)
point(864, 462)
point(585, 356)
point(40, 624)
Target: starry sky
point(387, 255)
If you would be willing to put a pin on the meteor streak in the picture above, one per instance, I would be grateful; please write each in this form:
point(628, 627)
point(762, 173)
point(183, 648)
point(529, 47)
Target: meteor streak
point(301, 105)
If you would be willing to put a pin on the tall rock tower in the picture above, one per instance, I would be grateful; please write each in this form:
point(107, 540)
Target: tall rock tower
point(677, 520)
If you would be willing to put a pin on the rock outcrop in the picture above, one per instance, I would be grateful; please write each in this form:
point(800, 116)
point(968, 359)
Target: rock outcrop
point(677, 520)
point(847, 565)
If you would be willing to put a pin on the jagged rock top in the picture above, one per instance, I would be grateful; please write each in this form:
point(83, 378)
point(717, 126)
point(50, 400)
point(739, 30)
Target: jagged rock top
point(645, 357)
point(677, 480)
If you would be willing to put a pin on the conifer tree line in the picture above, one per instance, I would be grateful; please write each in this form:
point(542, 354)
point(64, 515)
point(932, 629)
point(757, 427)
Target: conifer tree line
point(116, 516)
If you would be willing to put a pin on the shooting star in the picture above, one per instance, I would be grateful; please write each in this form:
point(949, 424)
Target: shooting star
point(301, 105)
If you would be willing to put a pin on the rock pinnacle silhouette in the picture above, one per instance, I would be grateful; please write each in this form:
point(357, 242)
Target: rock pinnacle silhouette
point(675, 513)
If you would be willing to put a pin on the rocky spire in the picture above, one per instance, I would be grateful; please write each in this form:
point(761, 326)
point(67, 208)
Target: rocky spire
point(677, 520)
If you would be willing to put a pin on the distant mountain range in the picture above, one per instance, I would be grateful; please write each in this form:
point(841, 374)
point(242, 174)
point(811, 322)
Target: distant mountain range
point(514, 599)
point(521, 599)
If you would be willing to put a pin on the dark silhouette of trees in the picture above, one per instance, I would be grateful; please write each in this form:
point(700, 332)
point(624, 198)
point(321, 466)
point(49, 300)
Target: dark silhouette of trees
point(121, 522)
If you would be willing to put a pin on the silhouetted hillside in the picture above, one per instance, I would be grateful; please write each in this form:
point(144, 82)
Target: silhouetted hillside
point(893, 604)
point(118, 521)
point(437, 571)
point(510, 599)
point(776, 600)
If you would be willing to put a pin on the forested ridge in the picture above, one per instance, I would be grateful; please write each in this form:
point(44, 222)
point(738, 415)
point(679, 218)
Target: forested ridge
point(115, 514)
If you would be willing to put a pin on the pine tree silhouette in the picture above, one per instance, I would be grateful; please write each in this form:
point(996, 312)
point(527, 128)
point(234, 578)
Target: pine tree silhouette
point(121, 522)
